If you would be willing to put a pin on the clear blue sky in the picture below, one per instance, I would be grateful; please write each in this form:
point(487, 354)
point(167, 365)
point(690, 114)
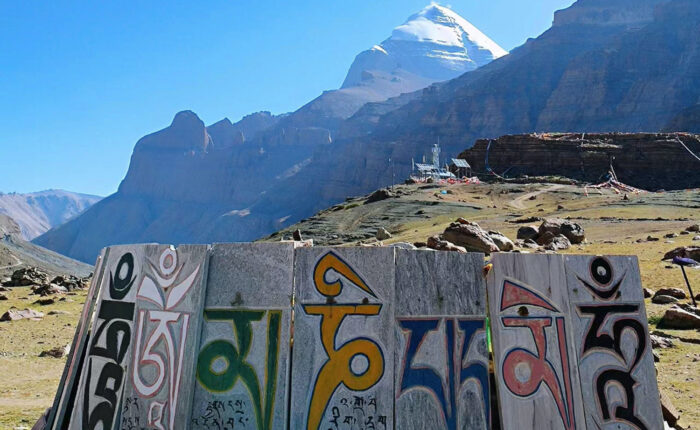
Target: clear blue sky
point(81, 82)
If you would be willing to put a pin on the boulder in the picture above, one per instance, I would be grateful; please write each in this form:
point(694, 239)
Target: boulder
point(692, 252)
point(27, 276)
point(434, 242)
point(560, 242)
point(574, 232)
point(502, 242)
point(660, 342)
point(528, 232)
point(673, 292)
point(661, 299)
point(680, 319)
point(545, 238)
point(693, 228)
point(382, 234)
point(379, 195)
point(15, 314)
point(470, 236)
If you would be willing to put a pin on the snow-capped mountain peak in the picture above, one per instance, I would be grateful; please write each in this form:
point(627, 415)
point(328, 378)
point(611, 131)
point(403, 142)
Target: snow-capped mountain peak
point(435, 44)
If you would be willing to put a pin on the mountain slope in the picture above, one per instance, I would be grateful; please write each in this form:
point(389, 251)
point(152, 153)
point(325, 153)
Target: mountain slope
point(36, 213)
point(613, 65)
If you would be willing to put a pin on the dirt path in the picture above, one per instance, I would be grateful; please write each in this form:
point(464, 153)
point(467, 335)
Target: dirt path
point(519, 203)
point(18, 263)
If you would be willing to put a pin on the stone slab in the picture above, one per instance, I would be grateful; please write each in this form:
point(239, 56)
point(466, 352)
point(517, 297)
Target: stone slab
point(533, 343)
point(244, 353)
point(441, 356)
point(170, 296)
point(615, 360)
point(342, 368)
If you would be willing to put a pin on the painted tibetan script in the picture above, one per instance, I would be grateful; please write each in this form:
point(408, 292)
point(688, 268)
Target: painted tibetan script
point(618, 378)
point(351, 384)
point(169, 302)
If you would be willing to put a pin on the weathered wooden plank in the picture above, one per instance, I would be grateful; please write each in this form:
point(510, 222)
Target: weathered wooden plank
point(71, 372)
point(441, 357)
point(104, 371)
point(169, 301)
point(244, 353)
point(534, 354)
point(342, 370)
point(618, 378)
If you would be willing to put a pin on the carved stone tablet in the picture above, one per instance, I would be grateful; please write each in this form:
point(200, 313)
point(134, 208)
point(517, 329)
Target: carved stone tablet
point(441, 357)
point(169, 300)
point(108, 354)
point(533, 343)
point(342, 368)
point(244, 353)
point(618, 378)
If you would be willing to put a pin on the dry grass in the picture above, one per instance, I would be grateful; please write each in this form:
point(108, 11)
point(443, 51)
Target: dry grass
point(29, 382)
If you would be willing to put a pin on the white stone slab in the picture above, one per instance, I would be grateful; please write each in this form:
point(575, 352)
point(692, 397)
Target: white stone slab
point(342, 368)
point(244, 353)
point(441, 357)
point(618, 378)
point(167, 325)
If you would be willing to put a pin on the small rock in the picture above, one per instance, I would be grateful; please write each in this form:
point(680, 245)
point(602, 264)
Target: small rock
point(560, 207)
point(693, 228)
point(379, 195)
point(434, 242)
point(625, 197)
point(652, 239)
point(3, 297)
point(696, 238)
point(684, 233)
point(692, 252)
point(45, 302)
point(528, 232)
point(58, 313)
point(663, 300)
point(670, 235)
point(382, 234)
point(420, 244)
point(659, 342)
point(647, 293)
point(502, 242)
point(57, 352)
point(669, 412)
point(296, 235)
point(673, 292)
point(15, 314)
point(677, 318)
point(403, 245)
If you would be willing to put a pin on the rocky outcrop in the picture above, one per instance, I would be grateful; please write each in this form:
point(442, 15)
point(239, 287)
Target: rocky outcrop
point(644, 160)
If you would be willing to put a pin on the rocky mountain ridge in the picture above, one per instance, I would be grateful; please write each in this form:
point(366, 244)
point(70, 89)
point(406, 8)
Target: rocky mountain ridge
point(585, 74)
point(36, 213)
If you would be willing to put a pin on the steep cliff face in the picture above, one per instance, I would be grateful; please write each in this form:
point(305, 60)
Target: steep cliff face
point(645, 160)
